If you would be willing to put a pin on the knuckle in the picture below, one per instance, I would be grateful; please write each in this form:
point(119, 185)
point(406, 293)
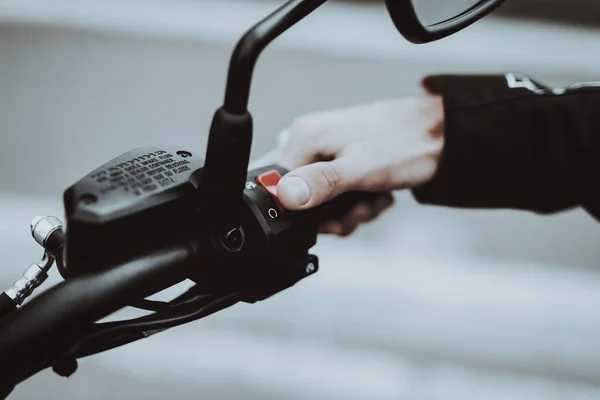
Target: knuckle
point(302, 127)
point(348, 230)
point(331, 176)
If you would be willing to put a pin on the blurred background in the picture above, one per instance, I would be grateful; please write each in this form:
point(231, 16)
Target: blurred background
point(426, 303)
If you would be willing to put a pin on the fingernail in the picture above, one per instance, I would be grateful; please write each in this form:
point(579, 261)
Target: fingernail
point(297, 189)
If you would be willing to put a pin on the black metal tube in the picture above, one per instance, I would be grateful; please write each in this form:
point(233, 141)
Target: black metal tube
point(251, 45)
point(52, 319)
point(7, 305)
point(5, 391)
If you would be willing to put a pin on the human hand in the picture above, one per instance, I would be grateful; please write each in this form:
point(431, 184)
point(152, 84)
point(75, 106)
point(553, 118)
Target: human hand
point(378, 147)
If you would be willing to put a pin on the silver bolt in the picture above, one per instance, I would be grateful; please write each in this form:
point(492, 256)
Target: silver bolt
point(43, 226)
point(310, 268)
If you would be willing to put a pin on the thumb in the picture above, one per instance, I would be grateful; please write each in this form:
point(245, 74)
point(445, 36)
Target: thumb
point(314, 184)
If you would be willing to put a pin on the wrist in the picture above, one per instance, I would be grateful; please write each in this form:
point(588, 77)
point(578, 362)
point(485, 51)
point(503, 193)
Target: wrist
point(435, 138)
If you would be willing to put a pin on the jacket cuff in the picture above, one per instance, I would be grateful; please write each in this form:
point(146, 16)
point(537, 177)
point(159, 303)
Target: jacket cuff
point(488, 157)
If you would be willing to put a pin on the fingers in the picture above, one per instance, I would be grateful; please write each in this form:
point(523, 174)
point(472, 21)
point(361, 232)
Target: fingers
point(314, 184)
point(360, 214)
point(431, 84)
point(381, 204)
point(332, 227)
point(301, 144)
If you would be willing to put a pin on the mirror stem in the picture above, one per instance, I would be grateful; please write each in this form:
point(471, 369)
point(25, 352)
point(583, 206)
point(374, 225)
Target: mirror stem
point(222, 182)
point(252, 44)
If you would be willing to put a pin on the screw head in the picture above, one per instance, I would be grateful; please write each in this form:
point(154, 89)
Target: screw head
point(88, 199)
point(184, 154)
point(310, 268)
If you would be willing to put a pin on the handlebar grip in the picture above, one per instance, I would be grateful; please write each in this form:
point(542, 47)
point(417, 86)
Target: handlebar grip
point(50, 319)
point(338, 207)
point(7, 305)
point(5, 391)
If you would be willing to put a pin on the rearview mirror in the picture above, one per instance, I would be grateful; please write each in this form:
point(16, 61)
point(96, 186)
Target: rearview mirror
point(422, 21)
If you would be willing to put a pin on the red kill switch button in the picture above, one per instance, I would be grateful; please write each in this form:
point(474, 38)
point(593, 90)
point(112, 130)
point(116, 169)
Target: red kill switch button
point(269, 181)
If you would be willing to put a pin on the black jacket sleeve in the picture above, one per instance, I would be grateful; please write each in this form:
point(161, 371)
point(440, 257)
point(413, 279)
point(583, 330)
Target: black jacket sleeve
point(510, 142)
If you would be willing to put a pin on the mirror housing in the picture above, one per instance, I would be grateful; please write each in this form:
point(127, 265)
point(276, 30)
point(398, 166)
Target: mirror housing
point(405, 19)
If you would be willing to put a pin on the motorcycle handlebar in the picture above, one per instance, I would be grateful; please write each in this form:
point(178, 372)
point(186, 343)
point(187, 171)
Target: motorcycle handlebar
point(52, 319)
